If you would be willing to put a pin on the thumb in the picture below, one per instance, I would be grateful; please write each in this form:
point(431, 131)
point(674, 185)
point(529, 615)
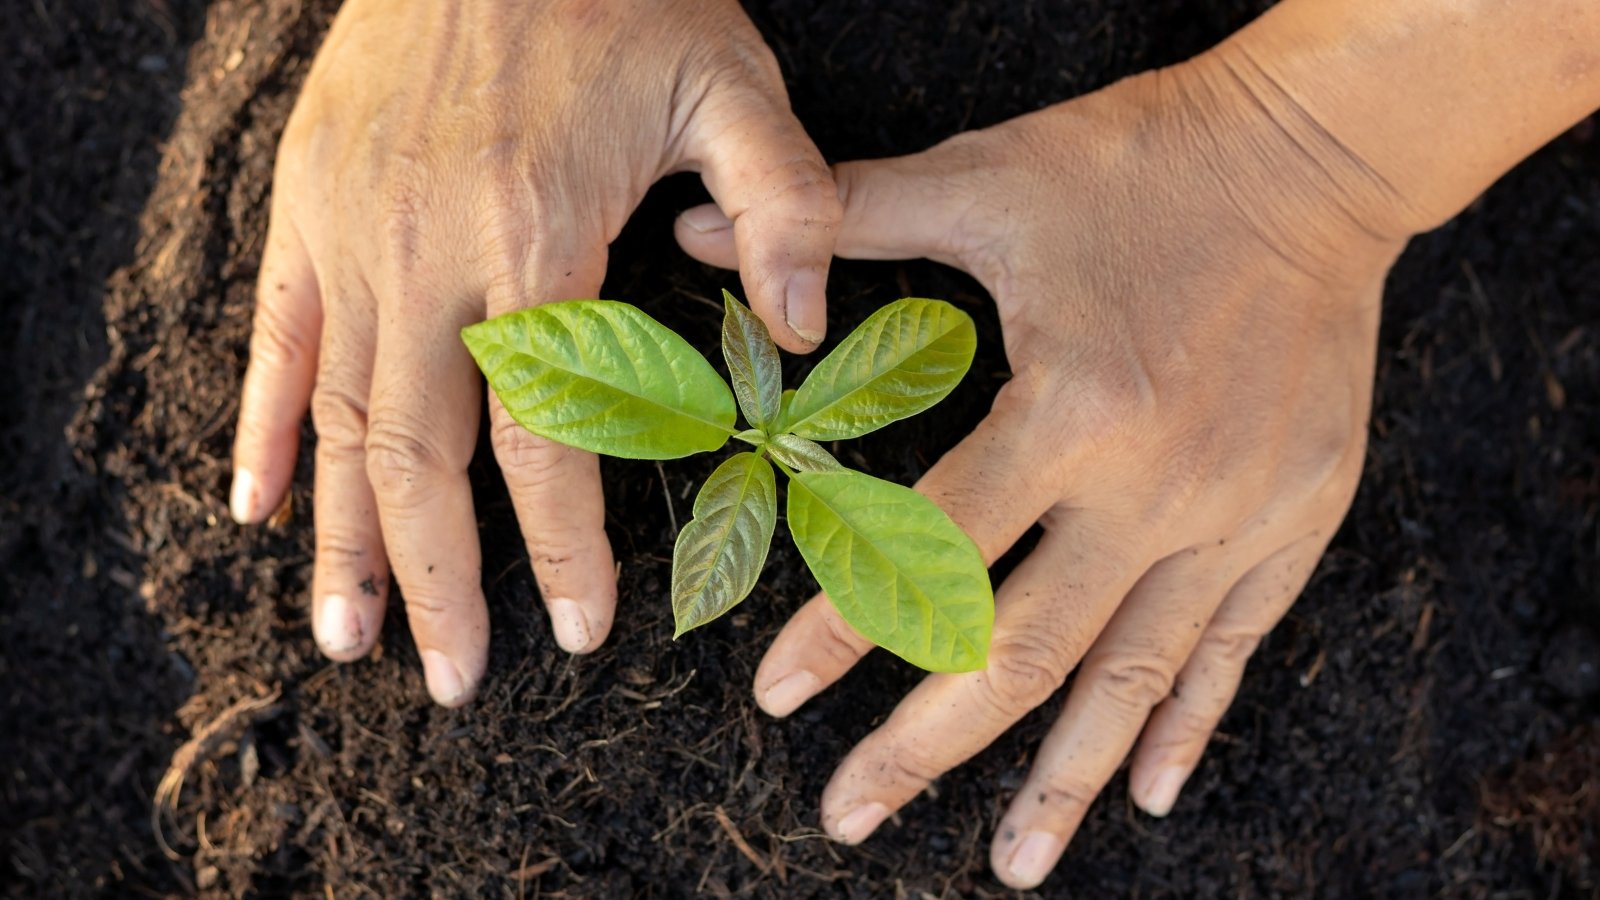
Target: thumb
point(906, 207)
point(777, 209)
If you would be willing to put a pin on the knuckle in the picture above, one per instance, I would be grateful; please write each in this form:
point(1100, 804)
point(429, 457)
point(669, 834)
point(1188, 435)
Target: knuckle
point(806, 187)
point(402, 461)
point(513, 213)
point(756, 58)
point(1097, 405)
point(733, 61)
point(1341, 477)
point(527, 460)
point(298, 148)
point(274, 340)
point(841, 645)
point(1193, 724)
point(1107, 400)
point(426, 609)
point(1023, 672)
point(402, 202)
point(910, 766)
point(1324, 455)
point(798, 192)
point(1230, 647)
point(554, 545)
point(1062, 792)
point(1019, 396)
point(1135, 682)
point(338, 545)
point(548, 552)
point(256, 431)
point(340, 419)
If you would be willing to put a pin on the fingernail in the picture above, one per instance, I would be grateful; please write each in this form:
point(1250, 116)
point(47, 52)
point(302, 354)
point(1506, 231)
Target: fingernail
point(570, 625)
point(706, 219)
point(242, 501)
point(1163, 790)
point(788, 692)
point(860, 822)
point(803, 306)
point(338, 624)
point(1035, 857)
point(444, 679)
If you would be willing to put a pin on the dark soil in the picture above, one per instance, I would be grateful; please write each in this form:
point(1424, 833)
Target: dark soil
point(1423, 724)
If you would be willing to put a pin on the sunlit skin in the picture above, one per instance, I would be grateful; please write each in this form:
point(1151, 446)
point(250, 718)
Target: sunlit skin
point(448, 162)
point(1187, 265)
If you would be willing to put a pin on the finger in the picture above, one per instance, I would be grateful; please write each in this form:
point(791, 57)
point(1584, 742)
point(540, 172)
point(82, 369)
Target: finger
point(1182, 725)
point(771, 183)
point(277, 383)
point(555, 489)
point(421, 428)
point(350, 581)
point(1128, 670)
point(1046, 615)
point(985, 487)
point(707, 235)
point(908, 207)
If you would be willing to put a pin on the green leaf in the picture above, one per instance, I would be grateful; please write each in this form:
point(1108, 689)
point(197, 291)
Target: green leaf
point(786, 401)
point(605, 377)
point(903, 359)
point(895, 566)
point(720, 553)
point(801, 455)
point(753, 363)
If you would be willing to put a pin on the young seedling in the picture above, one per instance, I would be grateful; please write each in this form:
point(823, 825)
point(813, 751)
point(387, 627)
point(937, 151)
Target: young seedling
point(605, 377)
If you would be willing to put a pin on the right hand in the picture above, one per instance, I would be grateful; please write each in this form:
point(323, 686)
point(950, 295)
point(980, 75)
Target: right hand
point(447, 162)
point(1188, 285)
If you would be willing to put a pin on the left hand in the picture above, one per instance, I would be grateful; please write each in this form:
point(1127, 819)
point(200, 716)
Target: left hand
point(1188, 284)
point(451, 161)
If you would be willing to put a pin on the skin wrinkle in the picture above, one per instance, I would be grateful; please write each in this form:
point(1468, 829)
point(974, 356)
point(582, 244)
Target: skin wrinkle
point(1345, 172)
point(1242, 200)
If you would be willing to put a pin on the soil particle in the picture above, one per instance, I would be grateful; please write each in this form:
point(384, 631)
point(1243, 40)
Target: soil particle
point(1571, 662)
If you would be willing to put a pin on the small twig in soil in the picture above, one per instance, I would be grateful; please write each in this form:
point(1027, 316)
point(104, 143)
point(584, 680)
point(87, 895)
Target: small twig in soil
point(1310, 675)
point(194, 751)
point(1420, 641)
point(666, 491)
point(528, 873)
point(742, 845)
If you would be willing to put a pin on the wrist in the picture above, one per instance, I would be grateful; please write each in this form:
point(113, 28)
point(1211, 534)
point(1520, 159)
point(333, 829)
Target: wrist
point(1296, 186)
point(1415, 108)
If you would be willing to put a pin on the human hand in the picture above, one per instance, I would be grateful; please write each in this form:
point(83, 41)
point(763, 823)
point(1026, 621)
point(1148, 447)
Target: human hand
point(447, 162)
point(1188, 279)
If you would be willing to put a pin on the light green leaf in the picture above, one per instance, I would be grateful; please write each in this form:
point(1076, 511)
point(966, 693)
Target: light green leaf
point(784, 403)
point(903, 359)
point(755, 437)
point(605, 377)
point(752, 362)
point(801, 455)
point(720, 553)
point(895, 566)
